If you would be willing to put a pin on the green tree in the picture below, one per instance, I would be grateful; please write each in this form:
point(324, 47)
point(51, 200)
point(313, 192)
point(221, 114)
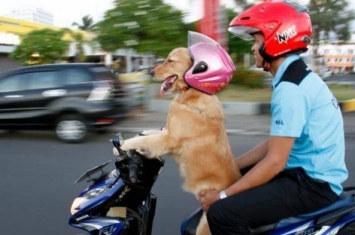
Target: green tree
point(146, 26)
point(330, 16)
point(244, 4)
point(40, 46)
point(87, 23)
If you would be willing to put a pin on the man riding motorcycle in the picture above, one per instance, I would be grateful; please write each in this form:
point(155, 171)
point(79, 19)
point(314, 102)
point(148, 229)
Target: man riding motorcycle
point(301, 166)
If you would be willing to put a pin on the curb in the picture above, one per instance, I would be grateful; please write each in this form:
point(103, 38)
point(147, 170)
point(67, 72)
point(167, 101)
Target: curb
point(348, 105)
point(239, 108)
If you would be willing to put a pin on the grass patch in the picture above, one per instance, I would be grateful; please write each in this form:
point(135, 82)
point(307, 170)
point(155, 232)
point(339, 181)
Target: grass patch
point(243, 94)
point(343, 92)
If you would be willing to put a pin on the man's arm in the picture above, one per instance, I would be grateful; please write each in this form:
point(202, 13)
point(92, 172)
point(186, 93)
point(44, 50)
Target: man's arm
point(253, 156)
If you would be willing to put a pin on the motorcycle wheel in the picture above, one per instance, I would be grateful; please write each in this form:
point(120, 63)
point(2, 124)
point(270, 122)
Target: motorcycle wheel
point(137, 225)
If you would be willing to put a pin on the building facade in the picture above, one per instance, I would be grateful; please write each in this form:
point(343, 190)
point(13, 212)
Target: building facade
point(33, 14)
point(12, 30)
point(338, 57)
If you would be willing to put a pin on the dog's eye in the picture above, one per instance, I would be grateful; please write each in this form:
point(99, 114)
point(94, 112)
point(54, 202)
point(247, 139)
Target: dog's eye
point(170, 61)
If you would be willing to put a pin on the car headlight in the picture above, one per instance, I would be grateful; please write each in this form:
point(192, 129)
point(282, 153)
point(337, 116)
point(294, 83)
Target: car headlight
point(101, 91)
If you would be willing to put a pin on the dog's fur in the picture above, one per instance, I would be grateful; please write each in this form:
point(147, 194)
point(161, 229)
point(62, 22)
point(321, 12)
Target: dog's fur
point(194, 135)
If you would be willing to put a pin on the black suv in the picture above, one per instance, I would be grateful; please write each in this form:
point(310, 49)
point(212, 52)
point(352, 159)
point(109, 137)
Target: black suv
point(70, 98)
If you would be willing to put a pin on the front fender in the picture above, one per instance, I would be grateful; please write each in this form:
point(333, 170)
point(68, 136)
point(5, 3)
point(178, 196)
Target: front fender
point(100, 225)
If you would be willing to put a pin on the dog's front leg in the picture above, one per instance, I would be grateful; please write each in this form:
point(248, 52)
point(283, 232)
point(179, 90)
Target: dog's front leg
point(152, 146)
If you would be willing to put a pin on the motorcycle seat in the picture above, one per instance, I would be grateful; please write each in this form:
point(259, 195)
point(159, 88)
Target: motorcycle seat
point(344, 199)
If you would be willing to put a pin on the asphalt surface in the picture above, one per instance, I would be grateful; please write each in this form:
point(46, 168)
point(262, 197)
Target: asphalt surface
point(235, 124)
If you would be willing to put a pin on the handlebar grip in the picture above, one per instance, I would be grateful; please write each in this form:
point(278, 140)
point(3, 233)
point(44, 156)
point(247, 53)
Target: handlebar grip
point(133, 173)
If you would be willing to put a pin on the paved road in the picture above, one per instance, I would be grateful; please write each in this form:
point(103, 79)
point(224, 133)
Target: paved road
point(37, 189)
point(37, 175)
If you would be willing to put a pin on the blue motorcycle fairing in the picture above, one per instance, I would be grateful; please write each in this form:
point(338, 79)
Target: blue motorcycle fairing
point(104, 225)
point(95, 201)
point(105, 182)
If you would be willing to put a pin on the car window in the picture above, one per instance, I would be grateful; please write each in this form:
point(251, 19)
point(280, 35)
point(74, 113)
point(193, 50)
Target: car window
point(76, 76)
point(12, 83)
point(43, 80)
point(102, 73)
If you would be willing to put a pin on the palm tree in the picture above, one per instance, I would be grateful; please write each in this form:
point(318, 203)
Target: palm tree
point(87, 23)
point(79, 48)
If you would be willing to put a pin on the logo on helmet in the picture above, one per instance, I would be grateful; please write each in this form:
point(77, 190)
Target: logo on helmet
point(287, 34)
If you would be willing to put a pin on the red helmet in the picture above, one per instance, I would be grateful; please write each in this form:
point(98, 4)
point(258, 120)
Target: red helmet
point(286, 27)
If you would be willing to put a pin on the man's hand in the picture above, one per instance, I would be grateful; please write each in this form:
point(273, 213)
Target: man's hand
point(207, 197)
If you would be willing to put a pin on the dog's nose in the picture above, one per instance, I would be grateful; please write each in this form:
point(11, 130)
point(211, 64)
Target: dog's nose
point(151, 72)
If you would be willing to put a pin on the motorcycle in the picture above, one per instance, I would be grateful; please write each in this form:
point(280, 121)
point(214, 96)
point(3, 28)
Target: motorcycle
point(120, 202)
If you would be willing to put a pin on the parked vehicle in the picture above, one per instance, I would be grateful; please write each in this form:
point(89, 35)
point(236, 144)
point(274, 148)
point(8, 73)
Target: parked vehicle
point(120, 202)
point(71, 98)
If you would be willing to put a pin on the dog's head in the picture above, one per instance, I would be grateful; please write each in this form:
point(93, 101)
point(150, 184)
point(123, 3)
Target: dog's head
point(172, 71)
point(204, 66)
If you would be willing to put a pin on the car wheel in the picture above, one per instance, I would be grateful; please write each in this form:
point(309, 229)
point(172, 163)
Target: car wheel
point(71, 129)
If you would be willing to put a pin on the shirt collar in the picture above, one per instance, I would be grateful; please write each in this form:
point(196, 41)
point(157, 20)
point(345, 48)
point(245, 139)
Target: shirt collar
point(282, 68)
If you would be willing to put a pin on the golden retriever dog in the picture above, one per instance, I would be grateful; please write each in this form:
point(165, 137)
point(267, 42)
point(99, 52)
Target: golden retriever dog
point(195, 134)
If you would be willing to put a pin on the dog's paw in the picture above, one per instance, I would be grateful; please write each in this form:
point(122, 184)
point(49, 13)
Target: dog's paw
point(150, 132)
point(144, 152)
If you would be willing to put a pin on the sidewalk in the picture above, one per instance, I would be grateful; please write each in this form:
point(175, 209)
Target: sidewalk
point(235, 124)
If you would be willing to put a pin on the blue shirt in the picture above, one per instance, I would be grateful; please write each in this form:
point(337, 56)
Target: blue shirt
point(309, 112)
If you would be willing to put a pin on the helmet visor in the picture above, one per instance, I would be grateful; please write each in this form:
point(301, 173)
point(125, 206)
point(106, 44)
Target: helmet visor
point(194, 38)
point(244, 32)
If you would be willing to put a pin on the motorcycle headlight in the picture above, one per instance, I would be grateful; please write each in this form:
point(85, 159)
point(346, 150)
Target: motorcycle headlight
point(76, 204)
point(87, 196)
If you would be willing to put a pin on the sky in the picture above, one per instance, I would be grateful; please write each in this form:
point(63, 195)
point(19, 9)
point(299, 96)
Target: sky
point(66, 12)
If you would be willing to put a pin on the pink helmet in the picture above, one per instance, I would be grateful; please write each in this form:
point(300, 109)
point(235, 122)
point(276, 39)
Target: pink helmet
point(212, 67)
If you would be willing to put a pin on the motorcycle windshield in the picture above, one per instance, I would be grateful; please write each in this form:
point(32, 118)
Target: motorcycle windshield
point(92, 171)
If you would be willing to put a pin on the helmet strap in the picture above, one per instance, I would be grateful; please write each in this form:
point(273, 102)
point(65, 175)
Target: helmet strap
point(263, 54)
point(267, 59)
point(266, 66)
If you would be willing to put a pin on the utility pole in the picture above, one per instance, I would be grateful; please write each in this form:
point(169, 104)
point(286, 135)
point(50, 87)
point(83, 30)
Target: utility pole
point(213, 22)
